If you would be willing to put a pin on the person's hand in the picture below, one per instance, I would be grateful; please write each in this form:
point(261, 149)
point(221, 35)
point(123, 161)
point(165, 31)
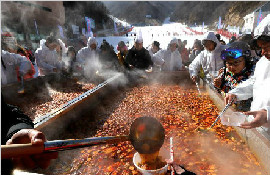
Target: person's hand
point(36, 138)
point(220, 71)
point(183, 67)
point(149, 70)
point(97, 73)
point(79, 67)
point(260, 118)
point(194, 78)
point(217, 82)
point(174, 167)
point(229, 98)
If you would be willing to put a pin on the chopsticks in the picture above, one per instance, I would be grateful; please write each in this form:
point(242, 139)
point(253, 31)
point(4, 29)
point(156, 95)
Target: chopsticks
point(171, 155)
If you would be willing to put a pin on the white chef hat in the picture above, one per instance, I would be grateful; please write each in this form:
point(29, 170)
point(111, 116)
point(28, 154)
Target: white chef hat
point(174, 40)
point(139, 39)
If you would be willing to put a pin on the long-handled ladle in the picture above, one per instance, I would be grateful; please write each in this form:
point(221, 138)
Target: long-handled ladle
point(146, 135)
point(220, 115)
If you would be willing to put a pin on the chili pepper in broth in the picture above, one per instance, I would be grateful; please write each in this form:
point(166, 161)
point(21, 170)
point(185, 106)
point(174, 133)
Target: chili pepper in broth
point(180, 111)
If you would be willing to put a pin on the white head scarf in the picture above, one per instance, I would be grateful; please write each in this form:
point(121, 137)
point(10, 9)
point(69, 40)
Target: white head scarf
point(174, 40)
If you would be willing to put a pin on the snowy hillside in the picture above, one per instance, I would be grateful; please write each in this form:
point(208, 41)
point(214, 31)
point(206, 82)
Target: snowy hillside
point(162, 34)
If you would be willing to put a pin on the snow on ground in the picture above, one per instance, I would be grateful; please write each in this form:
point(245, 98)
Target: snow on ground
point(163, 34)
point(167, 20)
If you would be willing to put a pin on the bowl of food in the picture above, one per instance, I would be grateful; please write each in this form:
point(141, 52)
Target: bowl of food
point(233, 119)
point(152, 164)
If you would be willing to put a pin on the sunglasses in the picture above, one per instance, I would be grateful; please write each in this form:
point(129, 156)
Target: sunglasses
point(235, 64)
point(234, 53)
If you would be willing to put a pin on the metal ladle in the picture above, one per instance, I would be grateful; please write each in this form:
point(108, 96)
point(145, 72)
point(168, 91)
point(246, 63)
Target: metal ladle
point(146, 135)
point(220, 115)
point(222, 112)
point(197, 85)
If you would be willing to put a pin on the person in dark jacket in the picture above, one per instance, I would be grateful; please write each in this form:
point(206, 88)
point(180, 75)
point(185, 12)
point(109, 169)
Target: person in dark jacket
point(138, 57)
point(71, 57)
point(23, 52)
point(233, 39)
point(108, 57)
point(220, 40)
point(17, 128)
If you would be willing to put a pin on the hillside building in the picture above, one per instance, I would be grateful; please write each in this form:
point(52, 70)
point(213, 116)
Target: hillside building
point(252, 18)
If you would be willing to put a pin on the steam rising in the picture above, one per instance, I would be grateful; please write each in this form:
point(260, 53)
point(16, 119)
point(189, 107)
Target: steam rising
point(228, 161)
point(224, 157)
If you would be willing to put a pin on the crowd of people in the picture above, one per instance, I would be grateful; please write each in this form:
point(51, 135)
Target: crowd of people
point(241, 76)
point(53, 55)
point(238, 70)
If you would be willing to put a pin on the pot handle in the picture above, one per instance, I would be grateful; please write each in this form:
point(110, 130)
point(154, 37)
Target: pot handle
point(19, 150)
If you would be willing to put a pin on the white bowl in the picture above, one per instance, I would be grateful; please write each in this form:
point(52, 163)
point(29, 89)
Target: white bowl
point(214, 73)
point(162, 171)
point(233, 119)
